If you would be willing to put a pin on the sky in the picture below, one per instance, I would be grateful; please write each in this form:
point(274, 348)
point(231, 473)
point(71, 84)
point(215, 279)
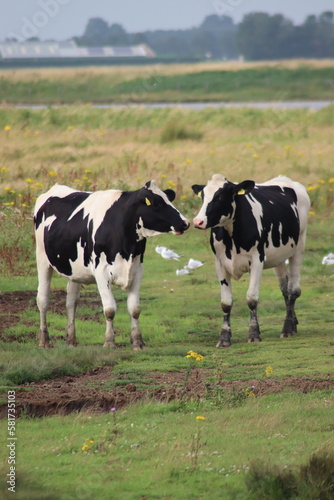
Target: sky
point(62, 19)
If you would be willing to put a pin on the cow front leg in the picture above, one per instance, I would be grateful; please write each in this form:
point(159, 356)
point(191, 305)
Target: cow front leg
point(290, 322)
point(109, 308)
point(43, 292)
point(134, 310)
point(226, 305)
point(252, 302)
point(72, 298)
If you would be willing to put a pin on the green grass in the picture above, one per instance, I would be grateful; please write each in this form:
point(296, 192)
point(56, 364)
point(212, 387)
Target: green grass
point(147, 450)
point(260, 84)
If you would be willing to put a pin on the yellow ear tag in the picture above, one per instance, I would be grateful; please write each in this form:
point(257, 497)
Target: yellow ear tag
point(241, 191)
point(147, 201)
point(199, 194)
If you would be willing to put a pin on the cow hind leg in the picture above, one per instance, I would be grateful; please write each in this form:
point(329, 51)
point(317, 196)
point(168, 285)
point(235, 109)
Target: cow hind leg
point(252, 302)
point(291, 291)
point(72, 298)
point(43, 293)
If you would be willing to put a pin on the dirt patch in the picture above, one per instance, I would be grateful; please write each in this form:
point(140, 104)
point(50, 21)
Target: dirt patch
point(100, 389)
point(94, 391)
point(13, 304)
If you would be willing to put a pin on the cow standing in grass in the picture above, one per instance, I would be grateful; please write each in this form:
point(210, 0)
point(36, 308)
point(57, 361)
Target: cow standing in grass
point(99, 237)
point(254, 227)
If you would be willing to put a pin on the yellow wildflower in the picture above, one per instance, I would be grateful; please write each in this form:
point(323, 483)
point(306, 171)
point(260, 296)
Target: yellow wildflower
point(7, 128)
point(195, 355)
point(268, 371)
point(199, 417)
point(313, 187)
point(52, 173)
point(85, 448)
point(29, 181)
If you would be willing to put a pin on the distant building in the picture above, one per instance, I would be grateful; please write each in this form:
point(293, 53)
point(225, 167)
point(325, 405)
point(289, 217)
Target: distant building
point(66, 53)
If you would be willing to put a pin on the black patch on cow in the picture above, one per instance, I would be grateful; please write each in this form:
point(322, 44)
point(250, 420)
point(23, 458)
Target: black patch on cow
point(224, 282)
point(278, 220)
point(61, 238)
point(116, 234)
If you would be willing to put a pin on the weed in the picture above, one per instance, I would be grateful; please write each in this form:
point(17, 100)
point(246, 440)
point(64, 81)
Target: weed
point(174, 131)
point(313, 481)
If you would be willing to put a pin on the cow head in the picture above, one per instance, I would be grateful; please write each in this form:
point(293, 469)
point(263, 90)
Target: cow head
point(218, 198)
point(156, 212)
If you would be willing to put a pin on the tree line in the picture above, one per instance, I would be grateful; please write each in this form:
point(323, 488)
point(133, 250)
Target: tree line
point(259, 36)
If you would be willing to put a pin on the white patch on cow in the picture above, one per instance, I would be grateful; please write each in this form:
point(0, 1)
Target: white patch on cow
point(257, 211)
point(143, 232)
point(96, 205)
point(237, 265)
point(210, 189)
point(80, 273)
point(49, 221)
point(122, 272)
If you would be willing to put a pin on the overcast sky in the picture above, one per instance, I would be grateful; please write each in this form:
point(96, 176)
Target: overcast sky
point(62, 19)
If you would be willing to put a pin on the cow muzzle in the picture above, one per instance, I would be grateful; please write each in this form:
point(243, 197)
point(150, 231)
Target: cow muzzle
point(186, 225)
point(199, 223)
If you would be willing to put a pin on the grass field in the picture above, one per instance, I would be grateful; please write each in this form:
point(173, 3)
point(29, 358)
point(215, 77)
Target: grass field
point(228, 81)
point(250, 445)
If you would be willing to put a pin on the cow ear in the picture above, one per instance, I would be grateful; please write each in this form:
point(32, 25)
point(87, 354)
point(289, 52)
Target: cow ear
point(245, 187)
point(170, 194)
point(197, 188)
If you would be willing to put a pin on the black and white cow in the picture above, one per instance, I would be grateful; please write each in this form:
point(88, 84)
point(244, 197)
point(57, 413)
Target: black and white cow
point(254, 227)
point(99, 237)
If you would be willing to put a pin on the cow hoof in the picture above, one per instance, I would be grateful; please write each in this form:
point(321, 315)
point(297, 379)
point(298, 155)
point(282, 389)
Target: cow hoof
point(254, 339)
point(71, 345)
point(285, 335)
point(45, 346)
point(139, 347)
point(112, 345)
point(223, 344)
